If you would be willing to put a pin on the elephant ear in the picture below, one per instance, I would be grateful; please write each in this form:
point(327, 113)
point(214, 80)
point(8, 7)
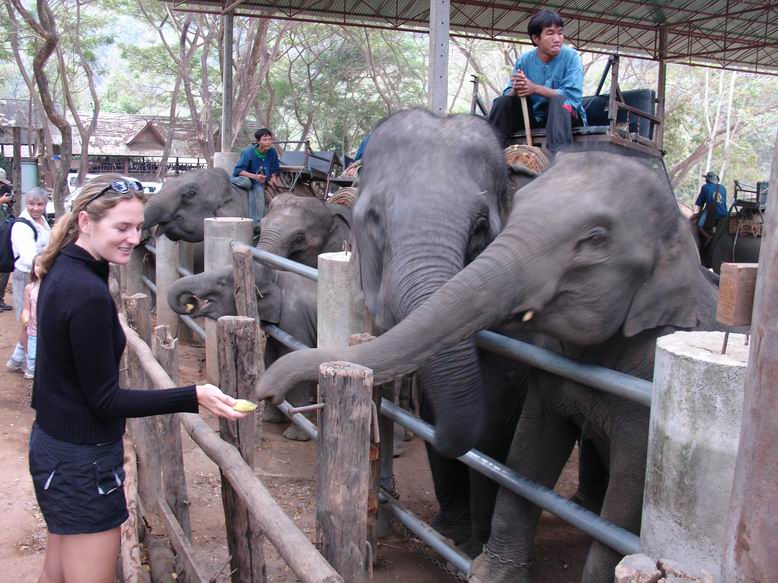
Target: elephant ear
point(269, 297)
point(668, 297)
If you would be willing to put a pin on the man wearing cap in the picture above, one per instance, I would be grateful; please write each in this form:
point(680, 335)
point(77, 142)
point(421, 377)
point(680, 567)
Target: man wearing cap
point(711, 204)
point(551, 78)
point(6, 202)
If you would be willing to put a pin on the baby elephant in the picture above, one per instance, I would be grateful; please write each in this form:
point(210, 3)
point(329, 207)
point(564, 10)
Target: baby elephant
point(285, 299)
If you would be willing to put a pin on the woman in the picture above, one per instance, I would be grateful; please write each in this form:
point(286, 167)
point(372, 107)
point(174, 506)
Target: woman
point(28, 239)
point(76, 443)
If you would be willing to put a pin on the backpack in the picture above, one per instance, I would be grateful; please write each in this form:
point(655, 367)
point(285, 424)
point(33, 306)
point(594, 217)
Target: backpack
point(7, 258)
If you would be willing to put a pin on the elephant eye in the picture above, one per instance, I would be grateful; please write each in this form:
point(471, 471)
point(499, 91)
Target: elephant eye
point(220, 282)
point(597, 237)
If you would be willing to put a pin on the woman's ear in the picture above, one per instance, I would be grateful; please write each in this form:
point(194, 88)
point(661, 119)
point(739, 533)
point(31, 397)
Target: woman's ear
point(84, 223)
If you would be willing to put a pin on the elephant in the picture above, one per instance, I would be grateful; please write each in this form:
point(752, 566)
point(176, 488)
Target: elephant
point(728, 248)
point(414, 230)
point(602, 279)
point(283, 298)
point(181, 205)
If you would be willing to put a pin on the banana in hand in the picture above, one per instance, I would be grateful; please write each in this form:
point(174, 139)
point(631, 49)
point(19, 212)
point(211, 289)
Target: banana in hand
point(244, 406)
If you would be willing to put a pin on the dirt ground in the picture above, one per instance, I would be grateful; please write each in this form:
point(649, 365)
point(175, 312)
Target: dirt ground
point(285, 467)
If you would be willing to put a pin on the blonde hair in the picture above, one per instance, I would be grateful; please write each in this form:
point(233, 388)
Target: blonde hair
point(66, 228)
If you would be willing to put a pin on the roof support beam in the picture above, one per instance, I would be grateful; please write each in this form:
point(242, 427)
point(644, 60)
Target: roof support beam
point(229, 21)
point(440, 17)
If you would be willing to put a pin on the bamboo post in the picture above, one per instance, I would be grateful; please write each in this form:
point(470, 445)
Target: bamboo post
point(169, 427)
point(290, 542)
point(751, 543)
point(236, 343)
point(166, 275)
point(343, 467)
point(144, 429)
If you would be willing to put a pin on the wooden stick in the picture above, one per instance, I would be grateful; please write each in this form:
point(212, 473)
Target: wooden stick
point(169, 427)
point(343, 467)
point(236, 355)
point(291, 543)
point(527, 126)
point(132, 569)
point(181, 543)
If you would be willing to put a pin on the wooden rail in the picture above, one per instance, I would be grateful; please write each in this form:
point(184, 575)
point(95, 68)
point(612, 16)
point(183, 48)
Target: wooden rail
point(291, 543)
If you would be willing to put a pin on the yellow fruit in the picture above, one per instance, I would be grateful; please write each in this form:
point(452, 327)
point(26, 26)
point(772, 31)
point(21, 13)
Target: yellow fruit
point(189, 308)
point(244, 406)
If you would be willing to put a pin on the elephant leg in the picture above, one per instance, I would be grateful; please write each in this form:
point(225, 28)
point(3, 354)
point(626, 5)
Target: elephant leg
point(592, 476)
point(623, 503)
point(451, 480)
point(540, 449)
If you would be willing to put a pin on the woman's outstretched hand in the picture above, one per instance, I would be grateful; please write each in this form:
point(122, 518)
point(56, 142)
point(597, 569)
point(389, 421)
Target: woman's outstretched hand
point(212, 398)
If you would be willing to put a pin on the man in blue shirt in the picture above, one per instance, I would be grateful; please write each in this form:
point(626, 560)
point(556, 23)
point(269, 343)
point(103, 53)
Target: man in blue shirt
point(712, 196)
point(551, 78)
point(258, 166)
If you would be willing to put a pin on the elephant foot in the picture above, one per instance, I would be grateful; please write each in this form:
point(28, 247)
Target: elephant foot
point(399, 444)
point(271, 414)
point(457, 531)
point(407, 434)
point(488, 568)
point(294, 433)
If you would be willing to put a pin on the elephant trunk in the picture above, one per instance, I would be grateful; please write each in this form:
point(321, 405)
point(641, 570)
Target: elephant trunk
point(154, 212)
point(273, 241)
point(486, 292)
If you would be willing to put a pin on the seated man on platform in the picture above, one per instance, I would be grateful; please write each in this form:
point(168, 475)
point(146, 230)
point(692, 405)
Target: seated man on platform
point(258, 166)
point(551, 78)
point(710, 206)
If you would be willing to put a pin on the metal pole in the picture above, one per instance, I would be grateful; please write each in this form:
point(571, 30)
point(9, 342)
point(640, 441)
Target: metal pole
point(751, 543)
point(227, 83)
point(440, 16)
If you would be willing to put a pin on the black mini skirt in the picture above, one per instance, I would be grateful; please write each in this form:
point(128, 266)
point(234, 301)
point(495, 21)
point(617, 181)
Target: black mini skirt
point(78, 487)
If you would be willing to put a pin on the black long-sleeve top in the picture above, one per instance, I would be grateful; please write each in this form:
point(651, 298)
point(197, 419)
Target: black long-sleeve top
point(76, 393)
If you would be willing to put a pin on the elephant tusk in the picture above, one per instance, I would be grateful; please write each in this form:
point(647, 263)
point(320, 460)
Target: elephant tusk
point(528, 315)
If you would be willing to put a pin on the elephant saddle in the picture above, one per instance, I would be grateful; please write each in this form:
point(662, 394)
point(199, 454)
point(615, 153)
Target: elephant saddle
point(750, 226)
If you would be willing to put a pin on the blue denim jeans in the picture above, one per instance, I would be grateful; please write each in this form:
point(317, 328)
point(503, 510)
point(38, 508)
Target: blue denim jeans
point(256, 196)
point(32, 344)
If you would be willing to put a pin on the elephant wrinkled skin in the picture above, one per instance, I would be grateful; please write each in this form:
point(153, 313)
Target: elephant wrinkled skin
point(611, 270)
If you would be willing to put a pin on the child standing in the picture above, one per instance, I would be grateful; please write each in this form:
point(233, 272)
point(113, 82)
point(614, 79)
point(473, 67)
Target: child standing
point(30, 318)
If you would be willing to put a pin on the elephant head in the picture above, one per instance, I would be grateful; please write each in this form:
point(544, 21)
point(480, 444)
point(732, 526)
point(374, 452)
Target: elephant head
point(181, 205)
point(594, 247)
point(211, 294)
point(302, 227)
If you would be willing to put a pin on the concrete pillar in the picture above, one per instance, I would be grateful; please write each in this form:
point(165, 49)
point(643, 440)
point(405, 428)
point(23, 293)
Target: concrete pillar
point(226, 160)
point(166, 274)
point(692, 446)
point(218, 234)
point(440, 16)
point(341, 303)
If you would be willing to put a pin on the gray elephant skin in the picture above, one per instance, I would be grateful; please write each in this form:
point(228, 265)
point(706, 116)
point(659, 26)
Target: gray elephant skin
point(600, 276)
point(726, 248)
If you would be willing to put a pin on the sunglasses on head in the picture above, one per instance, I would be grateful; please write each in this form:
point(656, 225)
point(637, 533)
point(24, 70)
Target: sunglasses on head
point(120, 186)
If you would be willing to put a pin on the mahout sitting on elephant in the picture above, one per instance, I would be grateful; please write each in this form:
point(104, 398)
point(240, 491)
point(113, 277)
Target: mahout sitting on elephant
point(285, 299)
point(603, 280)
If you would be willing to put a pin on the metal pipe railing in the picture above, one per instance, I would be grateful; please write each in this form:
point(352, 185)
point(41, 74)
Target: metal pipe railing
point(183, 271)
point(193, 326)
point(150, 248)
point(597, 377)
point(283, 337)
point(615, 537)
point(149, 284)
point(282, 263)
point(425, 532)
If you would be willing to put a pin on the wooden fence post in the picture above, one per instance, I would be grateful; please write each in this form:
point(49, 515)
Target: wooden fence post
point(169, 427)
point(144, 429)
point(343, 467)
point(246, 305)
point(236, 350)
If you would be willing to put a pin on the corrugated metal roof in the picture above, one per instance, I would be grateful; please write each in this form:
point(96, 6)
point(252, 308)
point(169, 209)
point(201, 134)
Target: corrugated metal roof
point(731, 34)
